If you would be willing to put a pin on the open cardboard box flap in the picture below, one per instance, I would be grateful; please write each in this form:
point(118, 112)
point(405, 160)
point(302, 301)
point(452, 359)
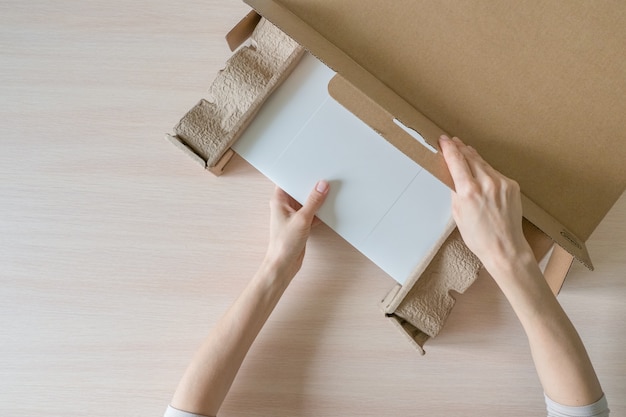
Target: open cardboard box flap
point(537, 88)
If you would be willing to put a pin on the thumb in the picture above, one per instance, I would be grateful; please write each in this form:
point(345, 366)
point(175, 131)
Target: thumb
point(315, 199)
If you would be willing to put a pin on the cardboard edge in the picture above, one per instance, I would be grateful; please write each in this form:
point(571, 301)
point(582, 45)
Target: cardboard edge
point(557, 268)
point(242, 30)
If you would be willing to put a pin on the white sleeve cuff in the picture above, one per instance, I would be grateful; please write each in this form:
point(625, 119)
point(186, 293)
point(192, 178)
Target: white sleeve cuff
point(598, 409)
point(175, 412)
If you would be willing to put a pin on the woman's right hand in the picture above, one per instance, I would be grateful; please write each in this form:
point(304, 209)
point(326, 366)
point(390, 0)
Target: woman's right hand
point(486, 206)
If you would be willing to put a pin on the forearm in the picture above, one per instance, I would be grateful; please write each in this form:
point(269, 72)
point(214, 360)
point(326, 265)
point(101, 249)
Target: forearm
point(487, 208)
point(562, 363)
point(213, 368)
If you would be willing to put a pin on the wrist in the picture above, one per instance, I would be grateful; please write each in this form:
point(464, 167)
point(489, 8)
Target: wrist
point(524, 286)
point(276, 269)
point(507, 266)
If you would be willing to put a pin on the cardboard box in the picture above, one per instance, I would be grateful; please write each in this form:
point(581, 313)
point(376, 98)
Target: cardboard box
point(537, 89)
point(524, 84)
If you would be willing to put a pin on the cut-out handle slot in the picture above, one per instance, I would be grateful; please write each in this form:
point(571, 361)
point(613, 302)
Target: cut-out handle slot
point(415, 136)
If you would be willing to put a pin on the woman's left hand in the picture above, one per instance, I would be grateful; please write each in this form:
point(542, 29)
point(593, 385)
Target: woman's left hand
point(290, 226)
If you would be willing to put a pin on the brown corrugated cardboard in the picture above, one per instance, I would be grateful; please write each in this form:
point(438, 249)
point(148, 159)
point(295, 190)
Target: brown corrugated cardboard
point(537, 88)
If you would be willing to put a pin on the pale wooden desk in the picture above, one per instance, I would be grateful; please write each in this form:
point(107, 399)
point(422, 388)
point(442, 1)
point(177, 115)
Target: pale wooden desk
point(117, 252)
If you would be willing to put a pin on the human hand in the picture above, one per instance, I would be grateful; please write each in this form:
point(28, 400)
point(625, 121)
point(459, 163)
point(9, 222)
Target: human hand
point(486, 206)
point(290, 226)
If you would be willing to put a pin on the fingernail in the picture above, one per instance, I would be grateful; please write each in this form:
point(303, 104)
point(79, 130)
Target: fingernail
point(457, 140)
point(321, 186)
point(444, 137)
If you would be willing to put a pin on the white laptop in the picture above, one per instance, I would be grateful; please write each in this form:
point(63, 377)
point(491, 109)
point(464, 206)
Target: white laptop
point(380, 201)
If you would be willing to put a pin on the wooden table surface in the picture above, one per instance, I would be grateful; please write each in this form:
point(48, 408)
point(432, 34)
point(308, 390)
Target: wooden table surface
point(118, 252)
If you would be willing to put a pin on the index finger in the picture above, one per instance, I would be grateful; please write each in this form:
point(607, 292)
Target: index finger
point(457, 164)
point(279, 198)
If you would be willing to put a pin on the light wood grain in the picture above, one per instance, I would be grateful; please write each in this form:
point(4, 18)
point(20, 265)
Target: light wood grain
point(118, 252)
